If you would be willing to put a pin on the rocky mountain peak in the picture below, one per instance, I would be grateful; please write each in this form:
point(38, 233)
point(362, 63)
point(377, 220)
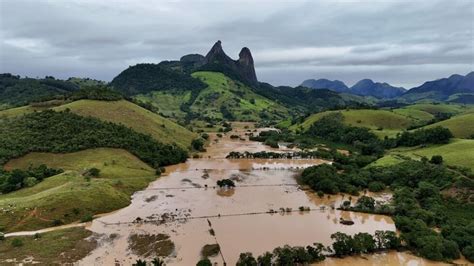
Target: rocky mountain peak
point(243, 68)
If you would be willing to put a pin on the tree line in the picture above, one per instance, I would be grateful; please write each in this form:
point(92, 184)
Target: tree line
point(17, 179)
point(343, 245)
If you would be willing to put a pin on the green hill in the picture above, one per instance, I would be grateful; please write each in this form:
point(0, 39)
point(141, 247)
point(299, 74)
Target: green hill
point(119, 112)
point(133, 116)
point(462, 126)
point(223, 98)
point(382, 122)
point(16, 91)
point(458, 152)
point(49, 202)
point(439, 108)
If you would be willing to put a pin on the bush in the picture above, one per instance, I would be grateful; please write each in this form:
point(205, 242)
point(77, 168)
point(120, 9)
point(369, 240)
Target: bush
point(436, 159)
point(16, 242)
point(198, 144)
point(226, 183)
point(87, 218)
point(376, 186)
point(210, 250)
point(204, 262)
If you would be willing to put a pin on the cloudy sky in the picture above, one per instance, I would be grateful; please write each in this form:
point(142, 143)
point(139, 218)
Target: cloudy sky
point(401, 42)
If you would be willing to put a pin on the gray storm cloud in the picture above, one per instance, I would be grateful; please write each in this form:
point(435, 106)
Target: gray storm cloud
point(400, 42)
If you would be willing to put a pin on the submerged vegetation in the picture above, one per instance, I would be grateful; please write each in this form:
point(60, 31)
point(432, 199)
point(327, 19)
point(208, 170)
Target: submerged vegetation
point(343, 245)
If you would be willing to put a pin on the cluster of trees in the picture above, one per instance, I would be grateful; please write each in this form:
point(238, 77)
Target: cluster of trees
point(99, 92)
point(368, 205)
point(418, 204)
point(331, 127)
point(17, 179)
point(144, 78)
point(436, 135)
point(343, 245)
point(330, 179)
point(16, 91)
point(198, 144)
point(62, 132)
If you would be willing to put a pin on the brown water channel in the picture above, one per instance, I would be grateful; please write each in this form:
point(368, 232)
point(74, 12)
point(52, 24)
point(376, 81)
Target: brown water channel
point(180, 205)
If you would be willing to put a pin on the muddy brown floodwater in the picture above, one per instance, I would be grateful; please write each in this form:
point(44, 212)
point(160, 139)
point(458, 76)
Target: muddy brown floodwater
point(185, 205)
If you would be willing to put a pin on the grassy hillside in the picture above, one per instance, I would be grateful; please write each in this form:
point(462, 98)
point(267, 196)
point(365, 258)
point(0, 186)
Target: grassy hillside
point(168, 103)
point(439, 108)
point(222, 98)
point(39, 206)
point(61, 247)
point(416, 115)
point(135, 117)
point(120, 112)
point(382, 122)
point(239, 99)
point(458, 152)
point(462, 126)
point(17, 91)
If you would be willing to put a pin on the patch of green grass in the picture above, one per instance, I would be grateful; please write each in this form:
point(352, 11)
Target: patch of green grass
point(459, 152)
point(462, 126)
point(372, 119)
point(39, 206)
point(167, 103)
point(17, 111)
point(439, 108)
point(134, 116)
point(415, 114)
point(387, 160)
point(52, 248)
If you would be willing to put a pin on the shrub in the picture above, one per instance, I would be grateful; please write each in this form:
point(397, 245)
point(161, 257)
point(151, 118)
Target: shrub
point(16, 242)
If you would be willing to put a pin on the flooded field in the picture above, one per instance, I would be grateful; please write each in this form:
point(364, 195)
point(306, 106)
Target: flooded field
point(185, 205)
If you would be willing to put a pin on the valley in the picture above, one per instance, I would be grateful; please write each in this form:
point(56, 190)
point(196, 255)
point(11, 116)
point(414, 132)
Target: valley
point(196, 162)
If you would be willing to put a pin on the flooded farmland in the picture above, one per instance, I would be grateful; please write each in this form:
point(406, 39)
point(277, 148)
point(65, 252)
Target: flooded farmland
point(186, 205)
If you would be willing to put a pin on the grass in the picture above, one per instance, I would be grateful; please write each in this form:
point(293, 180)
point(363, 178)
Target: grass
point(239, 99)
point(459, 152)
point(462, 126)
point(49, 202)
point(14, 112)
point(390, 159)
point(415, 114)
point(167, 103)
point(52, 248)
point(439, 108)
point(134, 116)
point(381, 122)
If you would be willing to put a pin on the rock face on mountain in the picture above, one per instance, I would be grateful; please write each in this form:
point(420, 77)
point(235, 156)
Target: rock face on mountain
point(334, 85)
point(367, 87)
point(242, 69)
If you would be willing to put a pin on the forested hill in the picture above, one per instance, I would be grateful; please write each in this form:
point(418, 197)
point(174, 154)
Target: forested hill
point(62, 132)
point(179, 92)
point(16, 91)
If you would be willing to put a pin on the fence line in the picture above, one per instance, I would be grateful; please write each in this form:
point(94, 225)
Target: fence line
point(211, 187)
point(170, 220)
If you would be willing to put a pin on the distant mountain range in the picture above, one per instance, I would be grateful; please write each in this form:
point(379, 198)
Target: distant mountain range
point(365, 87)
point(456, 88)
